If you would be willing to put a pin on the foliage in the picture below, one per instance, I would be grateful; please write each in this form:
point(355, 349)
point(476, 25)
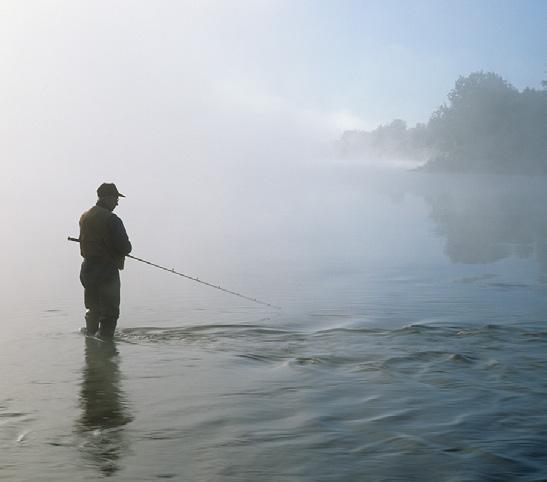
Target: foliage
point(490, 126)
point(486, 126)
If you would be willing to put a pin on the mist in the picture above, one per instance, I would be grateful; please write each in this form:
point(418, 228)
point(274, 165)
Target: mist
point(153, 99)
point(217, 121)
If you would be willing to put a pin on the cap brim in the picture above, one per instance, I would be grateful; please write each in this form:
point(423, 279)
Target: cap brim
point(120, 194)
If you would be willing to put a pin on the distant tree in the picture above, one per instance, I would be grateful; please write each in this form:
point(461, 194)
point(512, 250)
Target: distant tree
point(489, 126)
point(391, 141)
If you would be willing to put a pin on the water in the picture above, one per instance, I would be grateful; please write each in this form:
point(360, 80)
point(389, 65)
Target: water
point(411, 346)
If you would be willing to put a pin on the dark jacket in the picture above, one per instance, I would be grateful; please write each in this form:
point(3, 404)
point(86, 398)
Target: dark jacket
point(103, 238)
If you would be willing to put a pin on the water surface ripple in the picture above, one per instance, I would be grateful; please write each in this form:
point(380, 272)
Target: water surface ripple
point(334, 404)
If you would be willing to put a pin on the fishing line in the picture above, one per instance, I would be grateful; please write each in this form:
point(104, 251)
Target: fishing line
point(196, 279)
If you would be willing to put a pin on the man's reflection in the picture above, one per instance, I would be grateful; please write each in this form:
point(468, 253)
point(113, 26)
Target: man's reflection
point(104, 407)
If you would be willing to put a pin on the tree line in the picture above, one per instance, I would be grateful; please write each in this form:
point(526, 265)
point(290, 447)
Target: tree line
point(487, 125)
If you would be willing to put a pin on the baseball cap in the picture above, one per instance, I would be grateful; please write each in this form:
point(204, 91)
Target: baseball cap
point(108, 189)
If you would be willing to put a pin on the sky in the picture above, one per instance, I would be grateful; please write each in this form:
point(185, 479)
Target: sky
point(336, 63)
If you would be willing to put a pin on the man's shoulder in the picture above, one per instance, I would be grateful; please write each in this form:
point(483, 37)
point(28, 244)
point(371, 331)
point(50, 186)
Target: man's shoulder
point(86, 213)
point(96, 211)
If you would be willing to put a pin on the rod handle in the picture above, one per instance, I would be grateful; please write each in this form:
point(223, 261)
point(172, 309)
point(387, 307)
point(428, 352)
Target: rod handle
point(76, 240)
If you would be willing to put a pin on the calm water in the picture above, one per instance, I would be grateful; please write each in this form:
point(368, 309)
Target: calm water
point(412, 344)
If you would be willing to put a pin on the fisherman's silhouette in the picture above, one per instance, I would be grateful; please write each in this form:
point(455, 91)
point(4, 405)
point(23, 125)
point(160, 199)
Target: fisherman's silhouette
point(104, 408)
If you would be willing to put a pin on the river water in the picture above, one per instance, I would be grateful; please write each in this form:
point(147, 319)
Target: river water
point(411, 343)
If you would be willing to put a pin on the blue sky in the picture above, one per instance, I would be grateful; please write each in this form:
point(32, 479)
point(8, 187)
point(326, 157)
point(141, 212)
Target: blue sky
point(385, 59)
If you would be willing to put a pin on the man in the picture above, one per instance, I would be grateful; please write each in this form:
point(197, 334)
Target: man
point(103, 245)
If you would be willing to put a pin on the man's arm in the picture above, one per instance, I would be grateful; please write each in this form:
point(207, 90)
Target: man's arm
point(118, 236)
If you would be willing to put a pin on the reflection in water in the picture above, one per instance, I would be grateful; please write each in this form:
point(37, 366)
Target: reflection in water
point(104, 408)
point(485, 219)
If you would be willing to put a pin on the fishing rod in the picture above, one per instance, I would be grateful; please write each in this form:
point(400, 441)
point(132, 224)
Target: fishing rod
point(196, 279)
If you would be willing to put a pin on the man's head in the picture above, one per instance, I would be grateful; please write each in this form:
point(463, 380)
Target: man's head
point(108, 195)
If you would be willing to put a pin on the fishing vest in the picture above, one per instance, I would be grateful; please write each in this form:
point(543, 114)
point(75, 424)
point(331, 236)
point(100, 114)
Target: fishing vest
point(95, 237)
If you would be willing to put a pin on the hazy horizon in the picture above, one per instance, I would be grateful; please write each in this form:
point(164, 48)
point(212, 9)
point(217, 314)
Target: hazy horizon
point(102, 88)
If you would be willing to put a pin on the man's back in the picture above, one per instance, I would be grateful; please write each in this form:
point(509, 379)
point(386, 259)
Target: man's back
point(103, 237)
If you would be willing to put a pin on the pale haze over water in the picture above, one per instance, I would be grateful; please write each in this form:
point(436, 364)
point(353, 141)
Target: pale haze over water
point(411, 340)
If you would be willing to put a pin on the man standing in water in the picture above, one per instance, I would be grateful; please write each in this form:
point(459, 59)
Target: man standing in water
point(103, 245)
